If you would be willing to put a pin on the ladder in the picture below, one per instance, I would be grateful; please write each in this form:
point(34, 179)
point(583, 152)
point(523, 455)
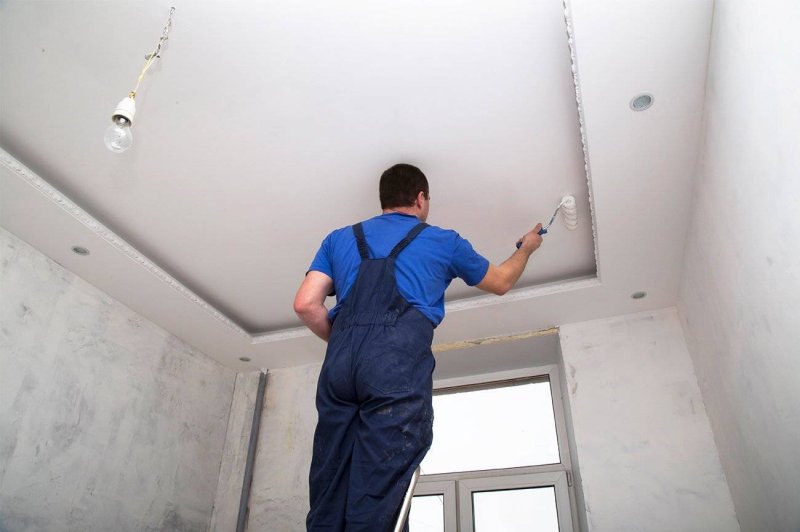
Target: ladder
point(404, 509)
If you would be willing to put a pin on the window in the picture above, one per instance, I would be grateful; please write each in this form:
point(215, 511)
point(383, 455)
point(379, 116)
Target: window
point(499, 459)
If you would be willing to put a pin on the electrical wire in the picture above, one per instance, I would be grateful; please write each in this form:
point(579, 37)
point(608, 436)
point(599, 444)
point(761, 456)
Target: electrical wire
point(151, 57)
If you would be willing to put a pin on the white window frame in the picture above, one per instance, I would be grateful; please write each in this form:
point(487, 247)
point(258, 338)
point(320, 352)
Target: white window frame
point(448, 490)
point(458, 487)
point(556, 479)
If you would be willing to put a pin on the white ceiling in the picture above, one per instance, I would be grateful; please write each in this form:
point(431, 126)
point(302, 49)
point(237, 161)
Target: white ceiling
point(264, 125)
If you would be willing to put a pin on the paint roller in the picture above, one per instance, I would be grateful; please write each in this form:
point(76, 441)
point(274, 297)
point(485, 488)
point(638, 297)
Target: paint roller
point(569, 211)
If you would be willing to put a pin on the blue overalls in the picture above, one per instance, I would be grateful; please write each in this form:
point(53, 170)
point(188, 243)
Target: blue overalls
point(374, 401)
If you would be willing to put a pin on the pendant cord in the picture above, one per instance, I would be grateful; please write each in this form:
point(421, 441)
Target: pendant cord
point(151, 57)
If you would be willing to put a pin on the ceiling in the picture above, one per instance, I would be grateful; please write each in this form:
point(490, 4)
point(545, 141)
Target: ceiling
point(264, 125)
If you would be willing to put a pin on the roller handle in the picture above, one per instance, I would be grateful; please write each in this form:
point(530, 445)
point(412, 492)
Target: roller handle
point(542, 232)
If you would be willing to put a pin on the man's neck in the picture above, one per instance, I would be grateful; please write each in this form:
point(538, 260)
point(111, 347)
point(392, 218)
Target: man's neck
point(403, 210)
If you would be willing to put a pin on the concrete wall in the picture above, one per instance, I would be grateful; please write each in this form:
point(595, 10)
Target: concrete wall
point(646, 452)
point(234, 456)
point(640, 431)
point(279, 498)
point(106, 421)
point(740, 296)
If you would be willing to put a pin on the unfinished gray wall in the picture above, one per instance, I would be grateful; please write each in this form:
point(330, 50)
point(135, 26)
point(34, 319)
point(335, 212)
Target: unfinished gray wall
point(279, 498)
point(646, 449)
point(107, 422)
point(234, 456)
point(640, 430)
point(740, 297)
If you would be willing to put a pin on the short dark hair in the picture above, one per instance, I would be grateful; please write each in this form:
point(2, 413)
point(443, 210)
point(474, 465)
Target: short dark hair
point(400, 185)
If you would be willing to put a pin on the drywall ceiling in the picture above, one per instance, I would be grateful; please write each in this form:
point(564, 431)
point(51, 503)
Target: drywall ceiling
point(264, 125)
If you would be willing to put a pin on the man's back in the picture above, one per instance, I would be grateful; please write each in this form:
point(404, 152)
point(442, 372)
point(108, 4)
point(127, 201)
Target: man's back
point(424, 270)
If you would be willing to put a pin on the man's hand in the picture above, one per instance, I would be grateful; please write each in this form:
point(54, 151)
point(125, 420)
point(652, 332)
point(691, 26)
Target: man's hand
point(532, 240)
point(500, 279)
point(309, 303)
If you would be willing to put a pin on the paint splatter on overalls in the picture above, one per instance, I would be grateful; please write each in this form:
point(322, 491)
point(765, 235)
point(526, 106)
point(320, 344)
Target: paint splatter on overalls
point(374, 402)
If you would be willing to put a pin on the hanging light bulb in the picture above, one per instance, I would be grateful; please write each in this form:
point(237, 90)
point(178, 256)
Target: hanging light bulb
point(118, 136)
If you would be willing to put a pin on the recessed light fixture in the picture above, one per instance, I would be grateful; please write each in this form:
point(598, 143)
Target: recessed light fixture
point(78, 250)
point(638, 295)
point(642, 102)
point(244, 359)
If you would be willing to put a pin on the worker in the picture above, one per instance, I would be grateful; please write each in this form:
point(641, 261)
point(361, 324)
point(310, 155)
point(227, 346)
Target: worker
point(374, 394)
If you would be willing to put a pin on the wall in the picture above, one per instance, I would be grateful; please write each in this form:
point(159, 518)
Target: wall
point(646, 452)
point(639, 428)
point(107, 422)
point(234, 456)
point(279, 498)
point(741, 284)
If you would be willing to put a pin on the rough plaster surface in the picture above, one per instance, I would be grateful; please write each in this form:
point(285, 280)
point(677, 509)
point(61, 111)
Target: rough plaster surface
point(107, 422)
point(279, 497)
point(741, 284)
point(646, 452)
point(234, 456)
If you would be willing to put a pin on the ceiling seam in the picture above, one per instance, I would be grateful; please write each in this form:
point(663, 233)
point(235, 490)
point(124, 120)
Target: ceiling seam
point(91, 223)
point(482, 301)
point(582, 126)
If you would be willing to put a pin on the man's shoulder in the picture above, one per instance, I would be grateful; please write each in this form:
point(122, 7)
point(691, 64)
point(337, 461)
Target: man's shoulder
point(340, 232)
point(441, 232)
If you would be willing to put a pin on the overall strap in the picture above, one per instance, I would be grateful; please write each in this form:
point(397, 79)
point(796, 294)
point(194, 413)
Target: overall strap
point(407, 240)
point(363, 249)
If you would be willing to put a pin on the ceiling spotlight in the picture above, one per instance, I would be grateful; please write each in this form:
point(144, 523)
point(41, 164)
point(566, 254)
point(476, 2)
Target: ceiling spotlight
point(118, 136)
point(244, 359)
point(638, 295)
point(78, 250)
point(642, 102)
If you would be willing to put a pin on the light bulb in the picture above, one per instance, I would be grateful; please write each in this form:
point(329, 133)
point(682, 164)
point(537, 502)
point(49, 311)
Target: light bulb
point(118, 136)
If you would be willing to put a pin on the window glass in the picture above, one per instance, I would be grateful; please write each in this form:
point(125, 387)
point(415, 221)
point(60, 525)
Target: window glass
point(427, 514)
point(493, 428)
point(517, 510)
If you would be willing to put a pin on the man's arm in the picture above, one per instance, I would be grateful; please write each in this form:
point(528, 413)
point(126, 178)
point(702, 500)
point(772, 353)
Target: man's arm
point(309, 303)
point(500, 279)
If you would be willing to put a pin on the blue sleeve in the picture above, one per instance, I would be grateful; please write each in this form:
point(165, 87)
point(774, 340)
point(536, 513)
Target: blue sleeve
point(322, 260)
point(468, 263)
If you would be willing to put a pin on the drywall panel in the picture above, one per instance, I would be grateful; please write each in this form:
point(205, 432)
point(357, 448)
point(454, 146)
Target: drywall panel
point(485, 102)
point(107, 422)
point(741, 282)
point(642, 438)
point(265, 125)
point(234, 456)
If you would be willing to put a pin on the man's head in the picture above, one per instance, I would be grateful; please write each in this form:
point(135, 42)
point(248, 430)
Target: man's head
point(404, 186)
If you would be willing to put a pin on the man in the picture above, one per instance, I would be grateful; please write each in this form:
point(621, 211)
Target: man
point(375, 388)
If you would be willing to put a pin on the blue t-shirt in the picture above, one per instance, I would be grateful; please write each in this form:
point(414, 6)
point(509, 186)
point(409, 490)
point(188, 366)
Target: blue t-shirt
point(423, 270)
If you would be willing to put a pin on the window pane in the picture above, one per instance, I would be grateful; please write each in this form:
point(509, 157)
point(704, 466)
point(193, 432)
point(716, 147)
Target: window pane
point(427, 514)
point(522, 510)
point(509, 426)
